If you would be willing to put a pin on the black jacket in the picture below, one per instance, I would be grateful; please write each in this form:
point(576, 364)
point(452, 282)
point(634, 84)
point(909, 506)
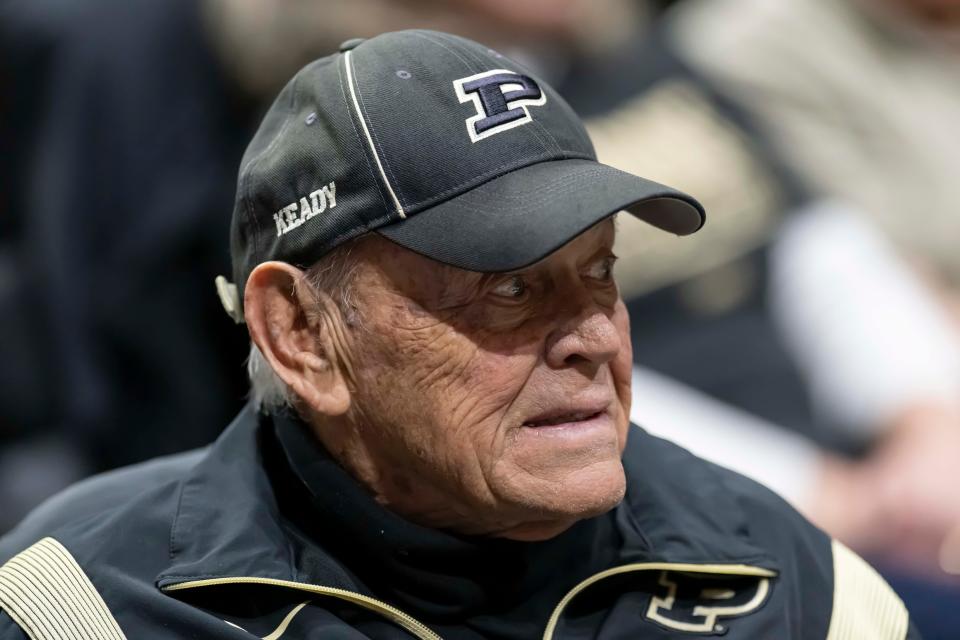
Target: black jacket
point(262, 534)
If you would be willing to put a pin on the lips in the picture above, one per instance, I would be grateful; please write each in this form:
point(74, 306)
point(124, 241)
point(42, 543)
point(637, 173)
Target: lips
point(565, 416)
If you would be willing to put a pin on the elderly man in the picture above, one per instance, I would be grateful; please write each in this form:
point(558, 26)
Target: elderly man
point(440, 444)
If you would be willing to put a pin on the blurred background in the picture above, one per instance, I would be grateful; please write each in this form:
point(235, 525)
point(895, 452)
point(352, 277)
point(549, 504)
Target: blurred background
point(809, 336)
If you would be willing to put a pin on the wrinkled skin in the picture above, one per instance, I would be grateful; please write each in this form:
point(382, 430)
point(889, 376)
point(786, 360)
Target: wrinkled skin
point(443, 368)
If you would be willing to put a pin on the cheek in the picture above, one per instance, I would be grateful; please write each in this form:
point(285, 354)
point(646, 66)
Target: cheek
point(447, 392)
point(499, 358)
point(621, 367)
point(487, 390)
point(622, 364)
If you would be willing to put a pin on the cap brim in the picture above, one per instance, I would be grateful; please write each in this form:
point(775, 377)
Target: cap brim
point(520, 217)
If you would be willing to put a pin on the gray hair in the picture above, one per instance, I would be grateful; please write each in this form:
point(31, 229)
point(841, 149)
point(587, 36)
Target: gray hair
point(333, 274)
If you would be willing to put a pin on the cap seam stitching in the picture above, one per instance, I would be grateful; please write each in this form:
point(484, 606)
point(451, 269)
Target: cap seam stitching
point(360, 139)
point(429, 38)
point(378, 146)
point(539, 126)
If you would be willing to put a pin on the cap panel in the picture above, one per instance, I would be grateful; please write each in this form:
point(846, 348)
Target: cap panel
point(406, 87)
point(308, 183)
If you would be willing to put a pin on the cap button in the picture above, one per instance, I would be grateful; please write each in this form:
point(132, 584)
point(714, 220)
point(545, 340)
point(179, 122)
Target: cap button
point(347, 45)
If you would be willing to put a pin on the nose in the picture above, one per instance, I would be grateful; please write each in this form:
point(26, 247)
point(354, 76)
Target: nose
point(586, 336)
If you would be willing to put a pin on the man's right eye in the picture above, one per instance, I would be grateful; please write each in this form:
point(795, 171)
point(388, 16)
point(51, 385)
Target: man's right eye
point(513, 287)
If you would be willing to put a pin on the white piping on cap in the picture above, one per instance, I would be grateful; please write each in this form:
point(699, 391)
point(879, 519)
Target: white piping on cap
point(348, 63)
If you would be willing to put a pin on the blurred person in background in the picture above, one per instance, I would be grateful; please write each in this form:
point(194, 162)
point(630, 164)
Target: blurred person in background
point(124, 133)
point(861, 99)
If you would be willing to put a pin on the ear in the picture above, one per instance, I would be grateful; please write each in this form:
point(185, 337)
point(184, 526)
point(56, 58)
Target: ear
point(296, 337)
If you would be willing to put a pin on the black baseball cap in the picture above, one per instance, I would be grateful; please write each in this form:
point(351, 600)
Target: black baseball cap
point(438, 143)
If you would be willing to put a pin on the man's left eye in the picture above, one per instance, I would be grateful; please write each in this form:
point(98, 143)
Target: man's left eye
point(602, 270)
point(513, 287)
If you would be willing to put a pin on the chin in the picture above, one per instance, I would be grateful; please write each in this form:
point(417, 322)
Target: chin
point(591, 494)
point(582, 494)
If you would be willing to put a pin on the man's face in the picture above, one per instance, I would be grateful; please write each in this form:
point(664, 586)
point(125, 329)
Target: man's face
point(493, 404)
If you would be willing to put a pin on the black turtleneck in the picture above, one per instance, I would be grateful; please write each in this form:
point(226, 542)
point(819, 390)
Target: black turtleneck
point(461, 586)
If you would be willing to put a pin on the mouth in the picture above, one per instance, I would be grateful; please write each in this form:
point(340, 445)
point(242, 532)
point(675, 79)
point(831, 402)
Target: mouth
point(555, 419)
point(583, 427)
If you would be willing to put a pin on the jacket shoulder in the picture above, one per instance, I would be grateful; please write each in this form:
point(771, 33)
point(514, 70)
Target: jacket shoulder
point(83, 542)
point(714, 504)
point(864, 605)
point(44, 591)
point(67, 514)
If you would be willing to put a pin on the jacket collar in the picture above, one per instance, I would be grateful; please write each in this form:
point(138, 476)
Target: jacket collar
point(683, 509)
point(228, 522)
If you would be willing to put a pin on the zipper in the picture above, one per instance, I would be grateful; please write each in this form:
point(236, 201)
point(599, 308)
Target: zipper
point(726, 569)
point(408, 622)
